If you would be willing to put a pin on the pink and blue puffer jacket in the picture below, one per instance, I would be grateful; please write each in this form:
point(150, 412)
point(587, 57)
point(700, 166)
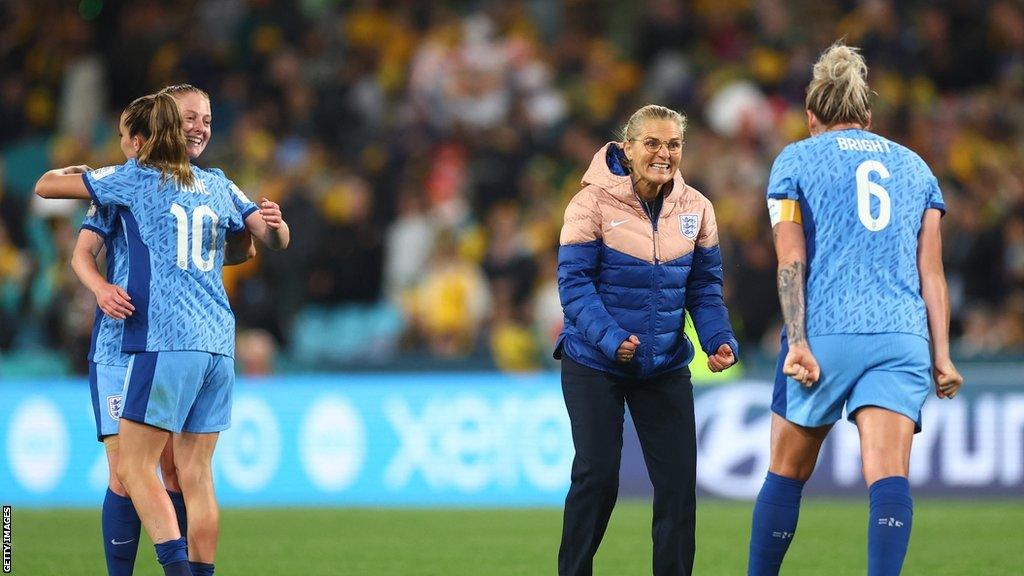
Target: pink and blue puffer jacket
point(621, 274)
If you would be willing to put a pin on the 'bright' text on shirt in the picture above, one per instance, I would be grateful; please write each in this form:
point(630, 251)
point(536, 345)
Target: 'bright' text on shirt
point(862, 144)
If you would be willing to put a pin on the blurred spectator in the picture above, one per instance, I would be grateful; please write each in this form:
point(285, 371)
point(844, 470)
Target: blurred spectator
point(451, 302)
point(509, 266)
point(547, 308)
point(15, 271)
point(255, 352)
point(348, 264)
point(408, 243)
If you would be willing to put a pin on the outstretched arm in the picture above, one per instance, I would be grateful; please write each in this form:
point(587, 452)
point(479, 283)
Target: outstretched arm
point(63, 183)
point(111, 298)
point(936, 302)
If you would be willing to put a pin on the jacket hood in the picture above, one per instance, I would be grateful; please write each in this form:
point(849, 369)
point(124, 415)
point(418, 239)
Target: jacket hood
point(608, 171)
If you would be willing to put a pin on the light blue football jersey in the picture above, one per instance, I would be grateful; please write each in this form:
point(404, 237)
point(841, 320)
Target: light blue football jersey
point(105, 347)
point(175, 240)
point(242, 202)
point(862, 198)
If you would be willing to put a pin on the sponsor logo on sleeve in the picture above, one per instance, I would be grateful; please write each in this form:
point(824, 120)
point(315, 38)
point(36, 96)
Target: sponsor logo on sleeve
point(101, 173)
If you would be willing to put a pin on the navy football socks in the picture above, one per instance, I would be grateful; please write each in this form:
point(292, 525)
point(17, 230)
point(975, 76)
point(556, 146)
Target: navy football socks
point(201, 569)
point(774, 524)
point(178, 500)
point(892, 513)
point(173, 556)
point(121, 527)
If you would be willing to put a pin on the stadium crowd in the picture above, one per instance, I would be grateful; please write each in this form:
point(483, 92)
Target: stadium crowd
point(424, 152)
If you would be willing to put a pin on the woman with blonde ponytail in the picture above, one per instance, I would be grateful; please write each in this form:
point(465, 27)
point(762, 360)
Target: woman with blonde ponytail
point(180, 334)
point(855, 218)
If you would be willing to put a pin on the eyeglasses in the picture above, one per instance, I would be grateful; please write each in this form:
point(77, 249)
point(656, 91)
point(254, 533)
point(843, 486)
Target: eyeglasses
point(653, 145)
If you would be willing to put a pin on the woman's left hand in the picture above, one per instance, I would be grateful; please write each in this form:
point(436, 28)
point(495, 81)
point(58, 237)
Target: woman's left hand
point(722, 359)
point(271, 213)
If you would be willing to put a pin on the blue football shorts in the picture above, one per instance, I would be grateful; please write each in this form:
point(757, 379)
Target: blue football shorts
point(180, 391)
point(891, 371)
point(106, 386)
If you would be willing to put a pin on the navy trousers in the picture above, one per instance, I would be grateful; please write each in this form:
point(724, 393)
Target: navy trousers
point(662, 411)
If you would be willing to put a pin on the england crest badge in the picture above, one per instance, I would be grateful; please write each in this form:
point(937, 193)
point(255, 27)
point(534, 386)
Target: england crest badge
point(689, 225)
point(114, 406)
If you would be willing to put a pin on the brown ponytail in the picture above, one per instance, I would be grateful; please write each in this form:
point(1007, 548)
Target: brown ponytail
point(156, 119)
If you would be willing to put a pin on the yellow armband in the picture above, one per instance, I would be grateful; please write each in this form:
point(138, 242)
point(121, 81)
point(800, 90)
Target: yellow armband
point(784, 210)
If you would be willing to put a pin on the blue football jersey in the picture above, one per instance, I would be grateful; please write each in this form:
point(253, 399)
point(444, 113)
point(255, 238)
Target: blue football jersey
point(105, 347)
point(175, 239)
point(862, 198)
point(242, 202)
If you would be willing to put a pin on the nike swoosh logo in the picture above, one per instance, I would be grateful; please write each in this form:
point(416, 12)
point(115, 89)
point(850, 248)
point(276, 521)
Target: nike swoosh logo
point(618, 222)
point(116, 543)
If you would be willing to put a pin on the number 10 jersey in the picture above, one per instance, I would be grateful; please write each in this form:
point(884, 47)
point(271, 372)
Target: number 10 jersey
point(175, 238)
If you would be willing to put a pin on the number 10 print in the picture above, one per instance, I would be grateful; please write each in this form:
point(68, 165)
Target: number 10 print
point(203, 261)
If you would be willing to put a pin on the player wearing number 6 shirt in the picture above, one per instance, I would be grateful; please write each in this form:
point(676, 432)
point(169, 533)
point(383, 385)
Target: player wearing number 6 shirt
point(856, 225)
point(181, 333)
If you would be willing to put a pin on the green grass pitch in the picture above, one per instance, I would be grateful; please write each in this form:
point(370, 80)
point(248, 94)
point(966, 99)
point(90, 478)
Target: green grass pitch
point(950, 537)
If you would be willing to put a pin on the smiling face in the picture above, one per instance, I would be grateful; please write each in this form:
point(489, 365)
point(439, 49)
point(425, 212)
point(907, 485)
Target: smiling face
point(196, 119)
point(653, 169)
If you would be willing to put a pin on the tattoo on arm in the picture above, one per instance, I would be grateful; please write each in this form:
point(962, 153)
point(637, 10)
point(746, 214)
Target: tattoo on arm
point(791, 298)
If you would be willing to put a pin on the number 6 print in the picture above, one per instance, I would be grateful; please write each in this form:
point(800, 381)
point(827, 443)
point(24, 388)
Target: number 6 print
point(866, 189)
